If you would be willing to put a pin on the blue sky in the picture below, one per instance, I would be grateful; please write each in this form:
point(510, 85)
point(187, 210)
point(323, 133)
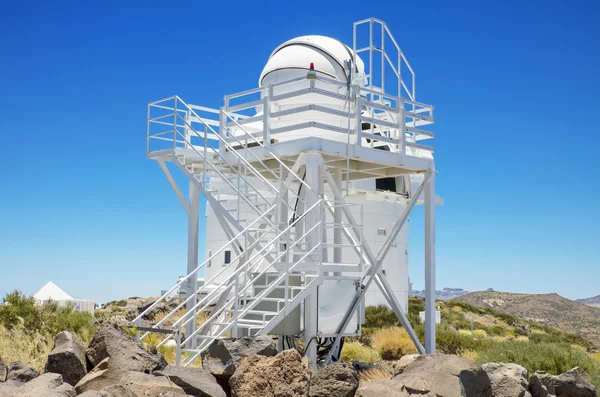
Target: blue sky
point(514, 84)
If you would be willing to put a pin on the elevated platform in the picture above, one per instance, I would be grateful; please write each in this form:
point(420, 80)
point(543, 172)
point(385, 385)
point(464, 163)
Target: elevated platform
point(364, 162)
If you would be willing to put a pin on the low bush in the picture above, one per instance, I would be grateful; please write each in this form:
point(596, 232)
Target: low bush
point(372, 374)
point(392, 343)
point(551, 357)
point(380, 317)
point(354, 351)
point(480, 334)
point(49, 318)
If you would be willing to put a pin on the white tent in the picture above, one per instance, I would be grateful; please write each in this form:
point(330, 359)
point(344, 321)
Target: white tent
point(52, 292)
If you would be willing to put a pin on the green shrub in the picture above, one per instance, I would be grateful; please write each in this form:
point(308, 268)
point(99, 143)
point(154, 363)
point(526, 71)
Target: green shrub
point(551, 357)
point(49, 318)
point(380, 317)
point(393, 343)
point(354, 351)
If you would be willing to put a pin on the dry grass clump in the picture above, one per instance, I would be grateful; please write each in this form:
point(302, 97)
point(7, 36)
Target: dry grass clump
point(470, 354)
point(465, 332)
point(355, 351)
point(480, 334)
point(167, 350)
point(30, 348)
point(372, 374)
point(578, 347)
point(392, 343)
point(595, 356)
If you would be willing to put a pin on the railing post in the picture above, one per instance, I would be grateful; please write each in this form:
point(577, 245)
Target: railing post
point(223, 126)
point(267, 118)
point(148, 132)
point(137, 334)
point(402, 125)
point(174, 125)
point(236, 307)
point(204, 157)
point(357, 117)
point(178, 347)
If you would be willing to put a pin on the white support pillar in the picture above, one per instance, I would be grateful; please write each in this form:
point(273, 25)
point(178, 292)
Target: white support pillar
point(430, 265)
point(192, 259)
point(337, 220)
point(310, 303)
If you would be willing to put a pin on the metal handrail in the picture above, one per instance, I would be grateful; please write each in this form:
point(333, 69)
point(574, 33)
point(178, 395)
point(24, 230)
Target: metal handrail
point(207, 302)
point(276, 238)
point(215, 169)
point(272, 154)
point(165, 295)
point(220, 138)
point(249, 283)
point(249, 307)
point(263, 164)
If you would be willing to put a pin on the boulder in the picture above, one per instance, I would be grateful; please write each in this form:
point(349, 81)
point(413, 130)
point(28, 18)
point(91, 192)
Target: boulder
point(310, 364)
point(398, 366)
point(541, 384)
point(3, 370)
point(445, 376)
point(195, 381)
point(281, 376)
point(507, 380)
point(140, 383)
point(380, 388)
point(47, 385)
point(573, 383)
point(336, 380)
point(111, 391)
point(163, 307)
point(124, 351)
point(20, 373)
point(67, 358)
point(223, 356)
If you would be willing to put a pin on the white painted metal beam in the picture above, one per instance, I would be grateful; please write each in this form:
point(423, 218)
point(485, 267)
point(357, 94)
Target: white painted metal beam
point(174, 186)
point(430, 265)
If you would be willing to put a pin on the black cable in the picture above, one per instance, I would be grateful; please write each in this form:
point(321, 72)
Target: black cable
point(308, 344)
point(297, 199)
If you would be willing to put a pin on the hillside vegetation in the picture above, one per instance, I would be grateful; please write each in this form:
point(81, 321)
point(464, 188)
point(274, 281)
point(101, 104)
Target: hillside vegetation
point(548, 309)
point(481, 334)
point(594, 301)
point(27, 330)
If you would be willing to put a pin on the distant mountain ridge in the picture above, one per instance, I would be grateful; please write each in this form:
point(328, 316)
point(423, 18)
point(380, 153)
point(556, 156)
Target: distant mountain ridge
point(548, 309)
point(594, 302)
point(444, 294)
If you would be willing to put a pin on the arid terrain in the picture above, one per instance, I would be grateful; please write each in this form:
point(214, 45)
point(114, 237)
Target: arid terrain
point(594, 302)
point(548, 309)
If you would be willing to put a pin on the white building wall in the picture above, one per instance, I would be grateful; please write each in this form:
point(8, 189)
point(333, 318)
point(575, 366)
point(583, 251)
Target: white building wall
point(380, 211)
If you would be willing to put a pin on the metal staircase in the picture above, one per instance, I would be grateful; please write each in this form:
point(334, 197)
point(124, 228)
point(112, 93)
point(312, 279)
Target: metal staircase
point(270, 278)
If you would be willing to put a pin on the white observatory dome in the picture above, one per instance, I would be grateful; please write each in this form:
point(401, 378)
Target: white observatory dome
point(293, 58)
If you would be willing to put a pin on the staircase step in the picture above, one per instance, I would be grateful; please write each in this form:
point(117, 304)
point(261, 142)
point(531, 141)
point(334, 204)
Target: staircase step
point(256, 312)
point(244, 323)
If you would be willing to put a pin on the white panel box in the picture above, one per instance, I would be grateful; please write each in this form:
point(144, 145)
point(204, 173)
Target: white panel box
point(334, 298)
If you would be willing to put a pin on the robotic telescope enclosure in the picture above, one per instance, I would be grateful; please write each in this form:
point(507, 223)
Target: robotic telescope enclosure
point(309, 181)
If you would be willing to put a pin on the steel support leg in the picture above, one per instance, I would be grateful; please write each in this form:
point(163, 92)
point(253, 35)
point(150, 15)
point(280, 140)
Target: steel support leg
point(430, 266)
point(337, 220)
point(310, 303)
point(192, 260)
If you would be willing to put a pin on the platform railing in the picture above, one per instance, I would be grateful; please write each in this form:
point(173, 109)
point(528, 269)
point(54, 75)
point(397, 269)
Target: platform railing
point(246, 267)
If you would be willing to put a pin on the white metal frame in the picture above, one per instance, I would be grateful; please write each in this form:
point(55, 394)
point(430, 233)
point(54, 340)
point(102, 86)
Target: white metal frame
point(219, 145)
